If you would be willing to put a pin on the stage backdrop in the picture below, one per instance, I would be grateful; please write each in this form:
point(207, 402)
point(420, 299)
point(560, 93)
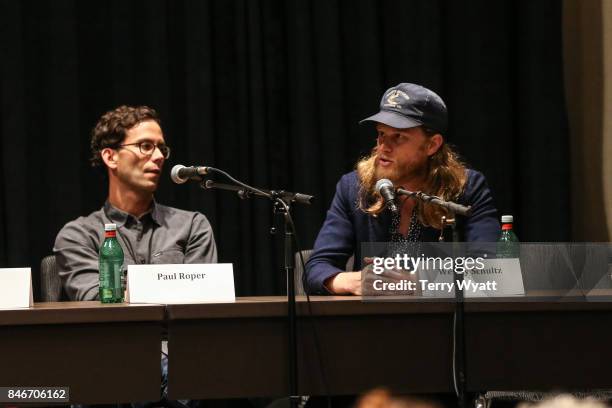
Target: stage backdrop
point(272, 91)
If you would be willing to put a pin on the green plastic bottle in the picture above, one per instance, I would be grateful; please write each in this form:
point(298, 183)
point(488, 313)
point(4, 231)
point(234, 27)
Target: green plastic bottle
point(111, 267)
point(508, 243)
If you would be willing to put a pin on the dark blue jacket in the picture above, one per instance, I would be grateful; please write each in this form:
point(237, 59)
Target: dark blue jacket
point(346, 227)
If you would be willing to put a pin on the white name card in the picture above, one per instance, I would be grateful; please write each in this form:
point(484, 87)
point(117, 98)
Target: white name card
point(180, 283)
point(15, 288)
point(499, 278)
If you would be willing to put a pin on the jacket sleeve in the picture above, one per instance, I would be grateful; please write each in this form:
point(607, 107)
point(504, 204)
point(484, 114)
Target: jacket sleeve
point(336, 240)
point(482, 225)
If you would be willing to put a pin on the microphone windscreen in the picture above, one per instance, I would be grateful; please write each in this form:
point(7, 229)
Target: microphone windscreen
point(383, 183)
point(174, 174)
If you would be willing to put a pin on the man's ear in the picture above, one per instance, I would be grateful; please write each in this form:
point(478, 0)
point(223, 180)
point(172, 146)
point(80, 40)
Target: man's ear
point(109, 157)
point(434, 144)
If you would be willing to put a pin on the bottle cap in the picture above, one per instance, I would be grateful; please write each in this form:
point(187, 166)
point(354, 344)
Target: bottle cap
point(507, 219)
point(110, 227)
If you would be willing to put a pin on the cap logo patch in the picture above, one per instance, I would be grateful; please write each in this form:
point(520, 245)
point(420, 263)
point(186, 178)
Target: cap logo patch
point(396, 98)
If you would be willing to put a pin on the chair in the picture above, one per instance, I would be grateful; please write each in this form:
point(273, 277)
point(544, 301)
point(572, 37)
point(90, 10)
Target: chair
point(299, 270)
point(50, 282)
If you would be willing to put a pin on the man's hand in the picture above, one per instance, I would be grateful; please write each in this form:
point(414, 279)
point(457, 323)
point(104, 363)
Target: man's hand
point(389, 275)
point(345, 283)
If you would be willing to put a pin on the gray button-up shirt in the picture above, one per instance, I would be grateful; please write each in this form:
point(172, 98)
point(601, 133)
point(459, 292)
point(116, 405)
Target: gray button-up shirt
point(164, 235)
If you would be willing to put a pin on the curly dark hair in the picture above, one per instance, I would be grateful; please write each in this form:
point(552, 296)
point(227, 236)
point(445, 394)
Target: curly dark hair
point(111, 128)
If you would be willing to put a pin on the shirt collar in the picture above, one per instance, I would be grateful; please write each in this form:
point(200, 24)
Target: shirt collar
point(121, 217)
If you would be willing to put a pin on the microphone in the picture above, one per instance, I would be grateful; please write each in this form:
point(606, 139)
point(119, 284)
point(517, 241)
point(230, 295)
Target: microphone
point(386, 190)
point(181, 174)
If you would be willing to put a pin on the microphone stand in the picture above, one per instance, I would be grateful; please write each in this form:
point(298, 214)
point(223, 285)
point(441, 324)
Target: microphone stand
point(449, 205)
point(459, 369)
point(281, 205)
point(246, 192)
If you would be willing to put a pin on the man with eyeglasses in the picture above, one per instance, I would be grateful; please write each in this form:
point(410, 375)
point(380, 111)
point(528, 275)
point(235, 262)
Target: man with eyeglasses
point(130, 143)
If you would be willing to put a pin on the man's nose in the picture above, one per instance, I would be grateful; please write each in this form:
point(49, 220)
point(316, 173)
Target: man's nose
point(157, 155)
point(384, 144)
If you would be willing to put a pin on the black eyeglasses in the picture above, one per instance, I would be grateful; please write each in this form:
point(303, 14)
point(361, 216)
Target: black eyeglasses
point(148, 148)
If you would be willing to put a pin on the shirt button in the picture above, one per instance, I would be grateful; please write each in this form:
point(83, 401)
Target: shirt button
point(142, 261)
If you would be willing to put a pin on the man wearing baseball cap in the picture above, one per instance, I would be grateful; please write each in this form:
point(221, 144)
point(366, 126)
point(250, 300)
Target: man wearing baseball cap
point(411, 152)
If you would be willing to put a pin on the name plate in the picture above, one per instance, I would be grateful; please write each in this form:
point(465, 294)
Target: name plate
point(499, 278)
point(494, 278)
point(15, 288)
point(180, 283)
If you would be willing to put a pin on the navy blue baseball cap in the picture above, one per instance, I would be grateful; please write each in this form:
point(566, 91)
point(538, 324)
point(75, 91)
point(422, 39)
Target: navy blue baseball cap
point(409, 105)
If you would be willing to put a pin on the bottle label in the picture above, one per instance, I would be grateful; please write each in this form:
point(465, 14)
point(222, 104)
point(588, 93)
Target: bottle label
point(110, 234)
point(111, 281)
point(106, 294)
point(506, 227)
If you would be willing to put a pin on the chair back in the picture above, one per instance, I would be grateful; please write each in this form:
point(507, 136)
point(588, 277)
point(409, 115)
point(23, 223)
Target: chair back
point(50, 282)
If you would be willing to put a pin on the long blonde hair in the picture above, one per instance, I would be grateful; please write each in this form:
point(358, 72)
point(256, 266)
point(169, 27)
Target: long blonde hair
point(446, 178)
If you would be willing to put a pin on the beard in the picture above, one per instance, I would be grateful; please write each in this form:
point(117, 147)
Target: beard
point(392, 173)
point(398, 172)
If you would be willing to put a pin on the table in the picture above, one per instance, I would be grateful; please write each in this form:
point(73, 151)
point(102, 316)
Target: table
point(232, 350)
point(104, 353)
point(240, 349)
point(538, 346)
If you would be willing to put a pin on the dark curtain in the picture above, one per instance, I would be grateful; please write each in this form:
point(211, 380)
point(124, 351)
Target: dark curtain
point(271, 91)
